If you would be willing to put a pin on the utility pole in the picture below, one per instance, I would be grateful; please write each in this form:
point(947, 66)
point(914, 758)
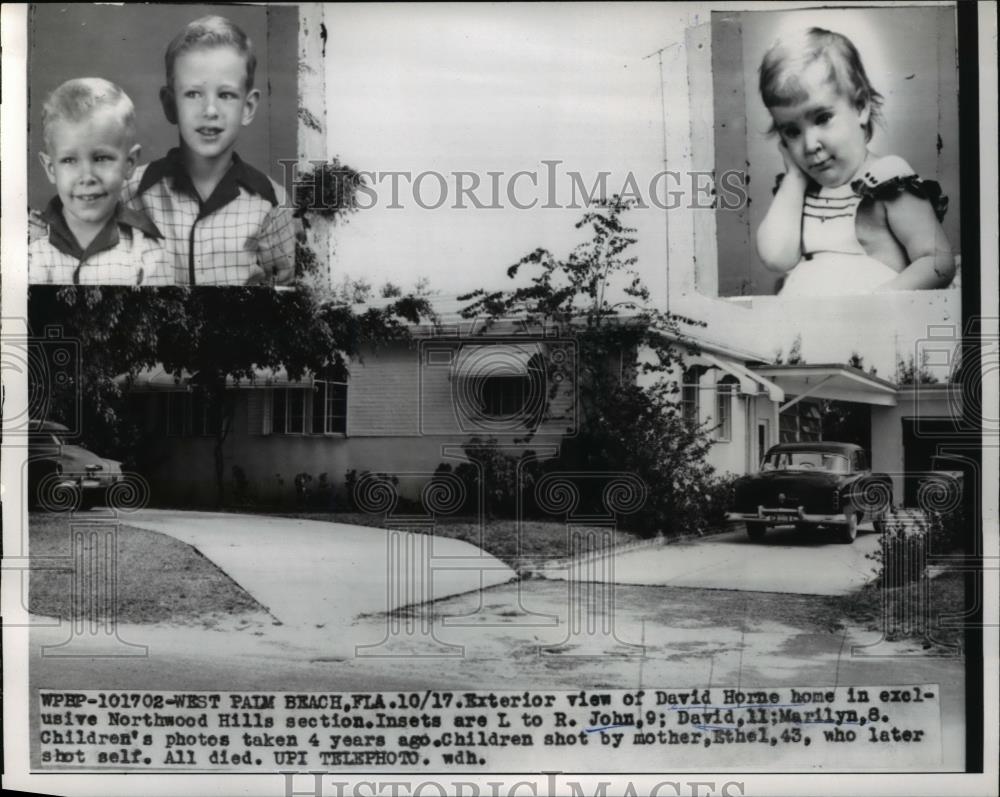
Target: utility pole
point(663, 123)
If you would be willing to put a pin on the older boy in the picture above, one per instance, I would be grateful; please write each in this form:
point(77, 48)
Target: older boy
point(90, 238)
point(223, 220)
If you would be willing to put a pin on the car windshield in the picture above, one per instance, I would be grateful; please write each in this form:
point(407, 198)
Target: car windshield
point(806, 460)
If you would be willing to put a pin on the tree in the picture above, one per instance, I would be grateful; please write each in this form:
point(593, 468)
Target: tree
point(909, 373)
point(217, 336)
point(596, 296)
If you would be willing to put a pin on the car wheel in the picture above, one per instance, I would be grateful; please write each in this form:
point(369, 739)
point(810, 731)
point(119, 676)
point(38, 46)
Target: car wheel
point(848, 532)
point(756, 531)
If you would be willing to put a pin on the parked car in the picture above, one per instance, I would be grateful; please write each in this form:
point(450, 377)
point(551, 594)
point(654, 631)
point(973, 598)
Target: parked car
point(812, 485)
point(940, 489)
point(63, 475)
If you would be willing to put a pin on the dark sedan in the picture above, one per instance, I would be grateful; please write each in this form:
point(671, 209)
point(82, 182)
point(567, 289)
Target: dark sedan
point(812, 485)
point(61, 475)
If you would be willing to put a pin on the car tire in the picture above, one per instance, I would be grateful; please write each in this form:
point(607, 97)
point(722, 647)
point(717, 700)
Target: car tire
point(756, 531)
point(848, 532)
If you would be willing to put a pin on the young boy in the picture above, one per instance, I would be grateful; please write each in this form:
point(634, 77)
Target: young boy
point(90, 238)
point(223, 220)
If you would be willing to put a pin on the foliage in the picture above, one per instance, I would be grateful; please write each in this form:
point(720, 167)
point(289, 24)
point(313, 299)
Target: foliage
point(858, 361)
point(329, 190)
point(718, 498)
point(794, 354)
point(214, 336)
point(495, 479)
point(595, 295)
point(907, 545)
point(909, 373)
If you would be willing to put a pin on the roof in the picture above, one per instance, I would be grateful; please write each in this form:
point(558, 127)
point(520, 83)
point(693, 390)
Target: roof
point(449, 323)
point(46, 426)
point(834, 381)
point(833, 448)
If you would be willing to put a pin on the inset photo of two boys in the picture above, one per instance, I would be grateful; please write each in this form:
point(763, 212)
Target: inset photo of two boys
point(156, 137)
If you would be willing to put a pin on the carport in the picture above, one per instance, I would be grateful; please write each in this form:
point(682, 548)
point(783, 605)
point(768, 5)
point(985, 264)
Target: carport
point(832, 382)
point(908, 423)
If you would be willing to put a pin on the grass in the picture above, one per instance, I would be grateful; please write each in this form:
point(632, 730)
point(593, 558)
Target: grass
point(539, 540)
point(160, 579)
point(875, 608)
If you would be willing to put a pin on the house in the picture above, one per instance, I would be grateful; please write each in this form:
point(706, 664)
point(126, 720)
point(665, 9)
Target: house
point(409, 406)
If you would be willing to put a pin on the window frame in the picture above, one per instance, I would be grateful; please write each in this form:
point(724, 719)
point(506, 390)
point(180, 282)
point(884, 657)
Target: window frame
point(285, 403)
point(725, 391)
point(321, 395)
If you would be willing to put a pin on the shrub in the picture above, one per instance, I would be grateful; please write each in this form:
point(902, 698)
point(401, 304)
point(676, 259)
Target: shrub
point(909, 542)
point(500, 472)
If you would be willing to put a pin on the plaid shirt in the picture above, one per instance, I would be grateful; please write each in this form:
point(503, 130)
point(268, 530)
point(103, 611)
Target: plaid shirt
point(240, 235)
point(127, 251)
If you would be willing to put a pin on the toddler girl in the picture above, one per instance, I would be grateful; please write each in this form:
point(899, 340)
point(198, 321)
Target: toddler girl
point(842, 220)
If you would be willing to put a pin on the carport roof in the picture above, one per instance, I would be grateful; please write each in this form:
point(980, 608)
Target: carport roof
point(836, 382)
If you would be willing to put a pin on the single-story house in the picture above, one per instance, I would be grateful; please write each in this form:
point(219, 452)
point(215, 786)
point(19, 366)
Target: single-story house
point(407, 407)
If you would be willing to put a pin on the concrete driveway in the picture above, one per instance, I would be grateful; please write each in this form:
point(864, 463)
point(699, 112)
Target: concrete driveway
point(317, 574)
point(784, 561)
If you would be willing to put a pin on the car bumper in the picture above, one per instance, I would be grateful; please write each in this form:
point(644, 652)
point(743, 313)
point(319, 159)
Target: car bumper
point(776, 516)
point(89, 483)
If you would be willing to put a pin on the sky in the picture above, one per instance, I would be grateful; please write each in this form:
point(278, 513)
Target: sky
point(501, 88)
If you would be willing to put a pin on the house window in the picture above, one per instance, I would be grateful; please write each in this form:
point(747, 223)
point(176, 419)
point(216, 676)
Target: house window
point(177, 407)
point(191, 414)
point(288, 411)
point(801, 423)
point(725, 389)
point(511, 395)
point(503, 396)
point(329, 408)
point(690, 395)
point(205, 415)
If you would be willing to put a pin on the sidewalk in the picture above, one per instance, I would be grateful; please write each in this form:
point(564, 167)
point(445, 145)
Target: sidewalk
point(312, 574)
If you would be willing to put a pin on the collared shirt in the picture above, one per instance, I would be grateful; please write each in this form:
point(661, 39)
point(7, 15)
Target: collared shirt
point(128, 250)
point(240, 235)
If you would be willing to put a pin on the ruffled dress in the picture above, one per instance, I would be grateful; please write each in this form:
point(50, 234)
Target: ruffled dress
point(834, 262)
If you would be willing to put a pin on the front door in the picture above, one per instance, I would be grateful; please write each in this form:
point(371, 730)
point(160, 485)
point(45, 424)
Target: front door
point(763, 441)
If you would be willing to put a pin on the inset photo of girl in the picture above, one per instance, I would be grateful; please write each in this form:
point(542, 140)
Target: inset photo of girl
point(851, 147)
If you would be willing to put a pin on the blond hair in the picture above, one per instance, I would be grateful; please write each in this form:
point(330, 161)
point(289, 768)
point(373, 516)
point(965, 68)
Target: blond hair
point(78, 99)
point(783, 64)
point(207, 32)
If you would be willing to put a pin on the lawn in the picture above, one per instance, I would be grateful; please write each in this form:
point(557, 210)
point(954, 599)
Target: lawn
point(945, 599)
point(160, 579)
point(539, 540)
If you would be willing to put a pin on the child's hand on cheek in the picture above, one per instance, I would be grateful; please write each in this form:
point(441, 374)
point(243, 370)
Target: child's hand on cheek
point(792, 170)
